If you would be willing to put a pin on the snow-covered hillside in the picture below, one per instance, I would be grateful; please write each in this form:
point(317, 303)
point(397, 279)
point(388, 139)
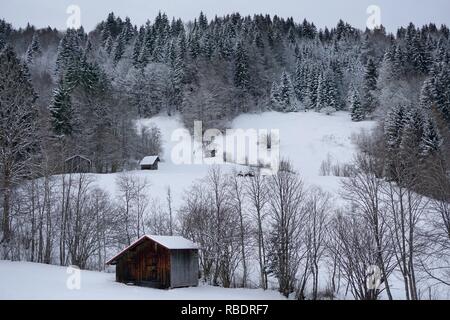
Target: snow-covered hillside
point(306, 138)
point(32, 281)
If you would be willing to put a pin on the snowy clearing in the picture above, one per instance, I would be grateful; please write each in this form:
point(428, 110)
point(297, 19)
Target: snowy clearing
point(306, 139)
point(32, 281)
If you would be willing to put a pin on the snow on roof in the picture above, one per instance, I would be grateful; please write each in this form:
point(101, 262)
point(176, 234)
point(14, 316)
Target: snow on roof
point(147, 161)
point(169, 242)
point(174, 242)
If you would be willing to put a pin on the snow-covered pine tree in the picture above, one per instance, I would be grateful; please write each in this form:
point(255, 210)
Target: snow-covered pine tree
point(61, 111)
point(69, 52)
point(258, 41)
point(137, 47)
point(435, 93)
point(120, 45)
point(283, 97)
point(300, 81)
point(420, 55)
point(182, 45)
point(207, 47)
point(109, 44)
point(393, 128)
point(427, 98)
point(274, 96)
point(356, 110)
point(241, 67)
point(226, 47)
point(312, 77)
point(34, 49)
point(369, 101)
point(410, 137)
point(441, 90)
point(202, 21)
point(431, 140)
point(178, 79)
point(194, 44)
point(326, 92)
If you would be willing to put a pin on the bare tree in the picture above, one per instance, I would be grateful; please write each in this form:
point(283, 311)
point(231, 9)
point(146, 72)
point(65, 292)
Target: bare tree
point(238, 204)
point(352, 245)
point(169, 208)
point(133, 203)
point(17, 131)
point(364, 192)
point(405, 210)
point(287, 194)
point(317, 215)
point(436, 263)
point(257, 192)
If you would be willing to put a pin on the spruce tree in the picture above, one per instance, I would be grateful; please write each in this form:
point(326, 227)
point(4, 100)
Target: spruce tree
point(34, 49)
point(69, 52)
point(119, 48)
point(356, 110)
point(194, 44)
point(138, 43)
point(241, 67)
point(431, 140)
point(178, 80)
point(61, 110)
point(299, 80)
point(283, 96)
point(369, 101)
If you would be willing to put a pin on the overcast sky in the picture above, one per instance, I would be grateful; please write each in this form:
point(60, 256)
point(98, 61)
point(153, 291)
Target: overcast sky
point(394, 13)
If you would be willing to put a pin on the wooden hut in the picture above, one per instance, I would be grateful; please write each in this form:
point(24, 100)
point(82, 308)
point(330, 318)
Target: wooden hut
point(159, 262)
point(149, 163)
point(77, 164)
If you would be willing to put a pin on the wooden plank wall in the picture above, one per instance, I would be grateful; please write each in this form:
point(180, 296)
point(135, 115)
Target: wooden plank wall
point(148, 262)
point(184, 268)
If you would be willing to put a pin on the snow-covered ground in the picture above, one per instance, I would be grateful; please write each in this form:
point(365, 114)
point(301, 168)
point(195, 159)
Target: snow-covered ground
point(306, 139)
point(32, 281)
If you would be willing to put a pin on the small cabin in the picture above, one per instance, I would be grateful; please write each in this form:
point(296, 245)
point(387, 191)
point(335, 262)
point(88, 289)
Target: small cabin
point(77, 164)
point(150, 163)
point(162, 262)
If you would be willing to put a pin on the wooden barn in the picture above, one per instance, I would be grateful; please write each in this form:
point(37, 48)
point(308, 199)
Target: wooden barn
point(158, 262)
point(77, 164)
point(149, 163)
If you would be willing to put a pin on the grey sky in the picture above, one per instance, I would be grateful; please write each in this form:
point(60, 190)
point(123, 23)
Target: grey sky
point(43, 13)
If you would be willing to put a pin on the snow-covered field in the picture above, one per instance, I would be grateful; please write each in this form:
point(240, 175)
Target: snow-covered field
point(32, 281)
point(306, 139)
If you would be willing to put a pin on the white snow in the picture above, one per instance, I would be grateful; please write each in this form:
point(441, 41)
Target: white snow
point(148, 161)
point(32, 281)
point(174, 242)
point(307, 139)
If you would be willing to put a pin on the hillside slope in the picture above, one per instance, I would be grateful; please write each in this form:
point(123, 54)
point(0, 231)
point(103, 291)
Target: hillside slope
point(307, 139)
